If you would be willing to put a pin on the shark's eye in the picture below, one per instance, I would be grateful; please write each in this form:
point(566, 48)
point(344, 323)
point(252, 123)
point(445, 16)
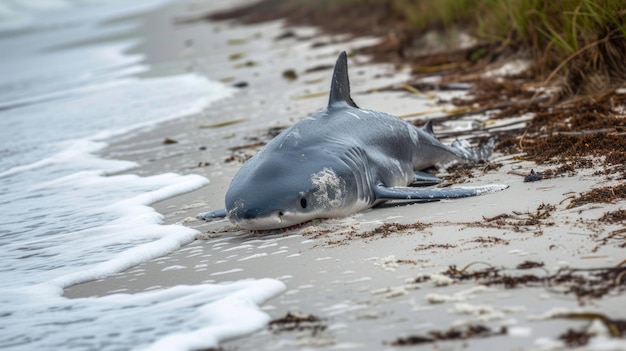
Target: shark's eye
point(303, 202)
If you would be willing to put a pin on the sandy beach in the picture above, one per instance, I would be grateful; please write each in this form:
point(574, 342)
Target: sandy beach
point(372, 280)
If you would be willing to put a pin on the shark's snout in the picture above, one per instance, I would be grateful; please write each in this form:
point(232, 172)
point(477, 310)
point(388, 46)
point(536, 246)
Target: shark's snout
point(256, 218)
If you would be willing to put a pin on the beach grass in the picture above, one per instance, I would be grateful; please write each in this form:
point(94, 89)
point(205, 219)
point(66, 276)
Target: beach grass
point(582, 41)
point(577, 44)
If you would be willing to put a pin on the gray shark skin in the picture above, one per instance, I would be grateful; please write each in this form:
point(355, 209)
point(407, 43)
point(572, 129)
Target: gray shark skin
point(339, 161)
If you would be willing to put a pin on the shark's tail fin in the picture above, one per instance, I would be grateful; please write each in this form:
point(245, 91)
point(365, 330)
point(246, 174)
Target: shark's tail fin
point(465, 151)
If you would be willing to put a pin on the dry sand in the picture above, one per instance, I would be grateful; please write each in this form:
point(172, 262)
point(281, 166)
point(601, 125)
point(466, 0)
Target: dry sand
point(359, 286)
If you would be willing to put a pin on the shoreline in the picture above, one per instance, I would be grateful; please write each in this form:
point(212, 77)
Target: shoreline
point(352, 283)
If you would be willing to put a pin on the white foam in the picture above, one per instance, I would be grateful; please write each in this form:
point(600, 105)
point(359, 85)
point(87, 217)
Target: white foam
point(459, 296)
point(180, 318)
point(234, 270)
point(262, 254)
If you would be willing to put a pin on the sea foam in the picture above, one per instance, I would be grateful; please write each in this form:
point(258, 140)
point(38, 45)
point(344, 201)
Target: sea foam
point(69, 216)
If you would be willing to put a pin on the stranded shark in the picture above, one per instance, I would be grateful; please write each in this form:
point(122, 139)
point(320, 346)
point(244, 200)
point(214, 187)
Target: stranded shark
point(339, 161)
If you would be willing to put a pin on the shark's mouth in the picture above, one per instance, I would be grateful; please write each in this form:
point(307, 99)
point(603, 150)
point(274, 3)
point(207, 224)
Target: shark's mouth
point(282, 230)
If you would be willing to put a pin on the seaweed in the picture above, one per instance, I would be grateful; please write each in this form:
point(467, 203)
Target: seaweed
point(606, 194)
point(472, 331)
point(581, 337)
point(575, 338)
point(529, 265)
point(434, 246)
point(520, 221)
point(296, 322)
point(612, 217)
point(584, 283)
point(387, 229)
point(618, 234)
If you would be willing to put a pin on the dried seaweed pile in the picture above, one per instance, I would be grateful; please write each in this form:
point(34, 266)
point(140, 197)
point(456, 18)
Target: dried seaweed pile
point(584, 283)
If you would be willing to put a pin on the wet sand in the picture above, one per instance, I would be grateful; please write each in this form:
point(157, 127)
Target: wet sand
point(357, 275)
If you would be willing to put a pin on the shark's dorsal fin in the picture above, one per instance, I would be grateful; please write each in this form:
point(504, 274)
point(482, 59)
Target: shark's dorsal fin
point(340, 86)
point(428, 127)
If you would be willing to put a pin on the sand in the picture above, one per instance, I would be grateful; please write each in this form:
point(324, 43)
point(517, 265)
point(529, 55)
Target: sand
point(358, 282)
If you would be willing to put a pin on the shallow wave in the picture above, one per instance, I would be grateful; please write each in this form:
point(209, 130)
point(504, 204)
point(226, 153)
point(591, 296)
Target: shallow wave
point(69, 216)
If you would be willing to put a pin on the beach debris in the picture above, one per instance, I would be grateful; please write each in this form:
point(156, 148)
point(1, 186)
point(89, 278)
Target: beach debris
point(530, 265)
point(169, 141)
point(618, 216)
point(223, 124)
point(520, 221)
point(314, 81)
point(461, 172)
point(575, 338)
point(612, 327)
point(584, 283)
point(238, 41)
point(290, 74)
point(424, 85)
point(618, 234)
point(423, 247)
point(246, 64)
point(318, 44)
point(319, 68)
point(414, 90)
point(227, 79)
point(344, 234)
point(387, 229)
point(532, 177)
point(472, 331)
point(298, 322)
point(285, 35)
point(488, 241)
point(311, 95)
point(236, 56)
point(240, 85)
point(600, 325)
point(608, 194)
point(242, 153)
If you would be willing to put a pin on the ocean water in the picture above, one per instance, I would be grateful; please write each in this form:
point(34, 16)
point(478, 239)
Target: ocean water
point(66, 215)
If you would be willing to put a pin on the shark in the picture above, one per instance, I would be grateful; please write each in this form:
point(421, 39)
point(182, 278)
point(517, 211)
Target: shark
point(342, 160)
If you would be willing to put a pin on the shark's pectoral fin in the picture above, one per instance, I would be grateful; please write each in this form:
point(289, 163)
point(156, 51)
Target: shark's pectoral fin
point(423, 179)
point(212, 215)
point(406, 193)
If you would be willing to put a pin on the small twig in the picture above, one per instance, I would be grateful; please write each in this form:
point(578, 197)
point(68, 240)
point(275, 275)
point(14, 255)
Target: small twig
point(521, 140)
point(473, 263)
point(500, 216)
point(618, 278)
point(567, 198)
